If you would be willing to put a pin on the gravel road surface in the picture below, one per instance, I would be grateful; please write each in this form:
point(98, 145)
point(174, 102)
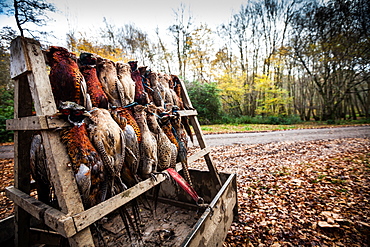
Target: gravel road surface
point(287, 135)
point(7, 151)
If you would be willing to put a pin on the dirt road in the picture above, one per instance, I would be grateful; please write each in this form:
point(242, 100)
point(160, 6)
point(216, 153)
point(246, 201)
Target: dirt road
point(7, 152)
point(287, 135)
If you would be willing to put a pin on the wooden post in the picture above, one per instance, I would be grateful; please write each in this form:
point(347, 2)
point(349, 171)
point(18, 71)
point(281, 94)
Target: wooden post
point(28, 65)
point(198, 132)
point(22, 141)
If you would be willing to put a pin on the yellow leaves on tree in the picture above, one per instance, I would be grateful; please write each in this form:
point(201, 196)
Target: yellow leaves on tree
point(83, 44)
point(272, 99)
point(233, 89)
point(200, 45)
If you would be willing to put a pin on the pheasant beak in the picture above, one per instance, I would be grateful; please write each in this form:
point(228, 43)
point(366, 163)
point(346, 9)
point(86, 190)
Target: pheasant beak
point(62, 112)
point(87, 114)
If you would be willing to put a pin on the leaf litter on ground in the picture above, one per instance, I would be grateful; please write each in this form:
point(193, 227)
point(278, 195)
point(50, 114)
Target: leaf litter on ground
point(312, 193)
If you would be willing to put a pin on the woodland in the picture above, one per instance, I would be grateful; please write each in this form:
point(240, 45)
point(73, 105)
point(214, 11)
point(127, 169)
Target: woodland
point(274, 61)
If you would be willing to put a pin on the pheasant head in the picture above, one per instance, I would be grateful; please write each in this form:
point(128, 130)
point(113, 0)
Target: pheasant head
point(133, 65)
point(55, 54)
point(72, 112)
point(87, 58)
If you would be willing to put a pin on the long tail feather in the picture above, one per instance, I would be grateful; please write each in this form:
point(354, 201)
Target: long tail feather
point(185, 123)
point(156, 195)
point(126, 220)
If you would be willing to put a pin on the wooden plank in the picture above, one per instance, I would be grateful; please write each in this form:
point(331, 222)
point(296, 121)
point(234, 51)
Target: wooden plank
point(27, 123)
point(213, 170)
point(212, 227)
point(62, 176)
point(59, 222)
point(186, 113)
point(198, 132)
point(22, 144)
point(89, 216)
point(35, 123)
point(185, 97)
point(52, 217)
point(27, 202)
point(19, 62)
point(199, 154)
point(39, 79)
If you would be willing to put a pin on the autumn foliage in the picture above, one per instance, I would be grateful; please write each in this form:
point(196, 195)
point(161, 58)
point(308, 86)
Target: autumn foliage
point(299, 193)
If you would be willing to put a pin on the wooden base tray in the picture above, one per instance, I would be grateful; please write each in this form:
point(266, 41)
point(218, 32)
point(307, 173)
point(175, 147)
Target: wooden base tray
point(177, 220)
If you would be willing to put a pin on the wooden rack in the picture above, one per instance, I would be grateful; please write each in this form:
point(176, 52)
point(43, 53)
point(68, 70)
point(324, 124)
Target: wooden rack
point(33, 92)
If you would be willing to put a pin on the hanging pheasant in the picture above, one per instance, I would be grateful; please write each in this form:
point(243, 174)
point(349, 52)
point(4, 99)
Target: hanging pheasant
point(166, 150)
point(107, 74)
point(177, 86)
point(144, 73)
point(39, 170)
point(164, 80)
point(109, 140)
point(148, 145)
point(132, 156)
point(165, 123)
point(124, 76)
point(67, 82)
point(181, 138)
point(132, 153)
point(87, 65)
point(175, 98)
point(120, 113)
point(86, 162)
point(158, 91)
point(141, 96)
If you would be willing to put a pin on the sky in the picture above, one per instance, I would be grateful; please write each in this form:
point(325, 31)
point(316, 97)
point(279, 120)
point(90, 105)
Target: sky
point(87, 15)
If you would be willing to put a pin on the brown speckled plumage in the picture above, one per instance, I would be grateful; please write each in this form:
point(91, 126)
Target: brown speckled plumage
point(167, 151)
point(122, 112)
point(107, 74)
point(108, 139)
point(148, 145)
point(124, 75)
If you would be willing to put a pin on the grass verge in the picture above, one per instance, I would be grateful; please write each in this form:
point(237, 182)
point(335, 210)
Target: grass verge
point(238, 128)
